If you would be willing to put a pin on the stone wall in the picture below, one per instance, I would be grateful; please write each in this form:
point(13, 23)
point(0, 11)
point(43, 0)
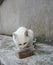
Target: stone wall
point(34, 14)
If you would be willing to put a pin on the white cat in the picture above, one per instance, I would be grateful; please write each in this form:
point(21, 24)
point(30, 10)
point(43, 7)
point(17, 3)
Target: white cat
point(23, 38)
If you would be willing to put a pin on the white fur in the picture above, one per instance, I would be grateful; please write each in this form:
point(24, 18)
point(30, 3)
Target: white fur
point(21, 38)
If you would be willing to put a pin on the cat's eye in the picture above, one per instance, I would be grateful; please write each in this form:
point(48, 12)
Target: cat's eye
point(20, 44)
point(25, 43)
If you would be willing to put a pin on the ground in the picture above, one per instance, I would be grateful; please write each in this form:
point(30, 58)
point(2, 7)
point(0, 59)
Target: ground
point(43, 53)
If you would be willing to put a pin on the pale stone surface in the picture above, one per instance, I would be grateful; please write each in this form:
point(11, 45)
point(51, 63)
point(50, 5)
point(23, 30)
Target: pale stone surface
point(43, 54)
point(34, 14)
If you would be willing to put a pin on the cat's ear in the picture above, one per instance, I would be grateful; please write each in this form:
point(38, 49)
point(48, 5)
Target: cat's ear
point(26, 33)
point(15, 35)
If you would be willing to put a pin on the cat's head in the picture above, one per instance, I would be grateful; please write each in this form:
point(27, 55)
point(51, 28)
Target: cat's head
point(22, 39)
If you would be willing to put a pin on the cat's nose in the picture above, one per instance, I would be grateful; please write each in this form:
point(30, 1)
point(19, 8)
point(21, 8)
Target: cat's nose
point(27, 46)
